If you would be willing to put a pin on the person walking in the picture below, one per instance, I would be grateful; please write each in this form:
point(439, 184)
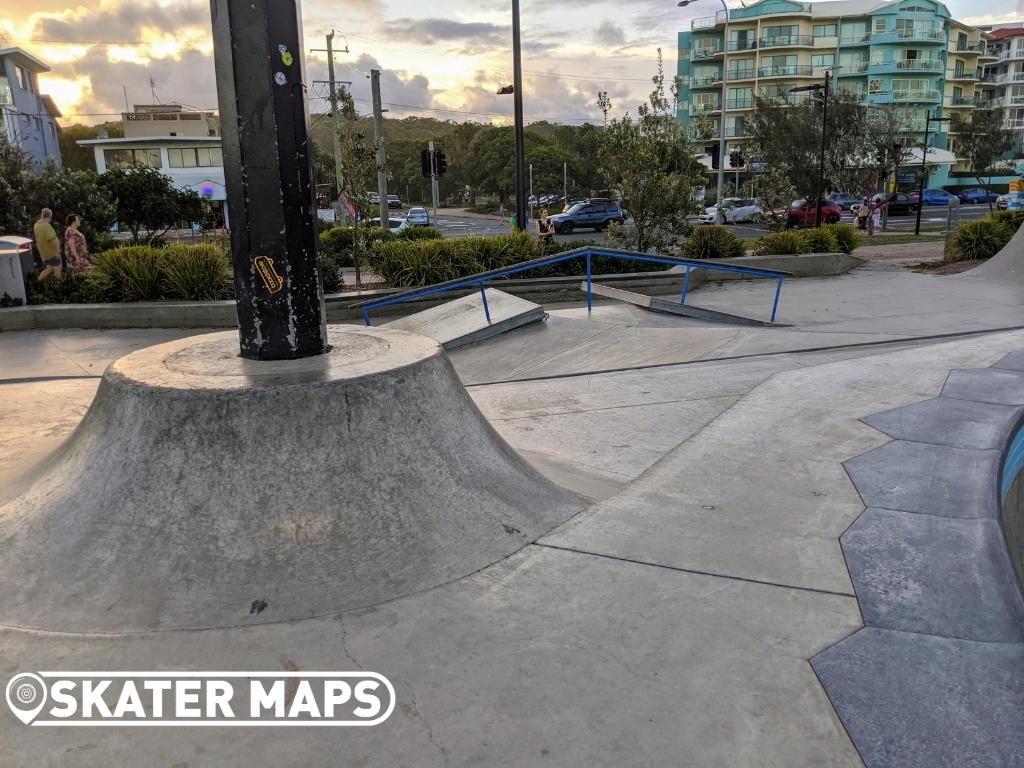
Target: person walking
point(48, 245)
point(502, 212)
point(545, 230)
point(75, 248)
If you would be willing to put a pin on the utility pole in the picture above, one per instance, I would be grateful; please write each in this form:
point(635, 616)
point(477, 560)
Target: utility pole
point(433, 179)
point(339, 171)
point(824, 143)
point(565, 183)
point(531, 190)
point(378, 134)
point(517, 101)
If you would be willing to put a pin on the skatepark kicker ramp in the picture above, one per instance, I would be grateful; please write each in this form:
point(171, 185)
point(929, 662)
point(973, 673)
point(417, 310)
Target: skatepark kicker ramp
point(204, 490)
point(1007, 266)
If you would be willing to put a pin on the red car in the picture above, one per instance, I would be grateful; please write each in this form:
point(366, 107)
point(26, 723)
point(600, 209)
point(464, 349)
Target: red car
point(799, 217)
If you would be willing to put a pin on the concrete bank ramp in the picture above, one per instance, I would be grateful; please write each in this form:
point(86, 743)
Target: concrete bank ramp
point(203, 490)
point(464, 321)
point(1007, 266)
point(655, 304)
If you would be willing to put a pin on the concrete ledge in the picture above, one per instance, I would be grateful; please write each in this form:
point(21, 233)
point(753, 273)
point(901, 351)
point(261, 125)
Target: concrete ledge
point(672, 307)
point(550, 290)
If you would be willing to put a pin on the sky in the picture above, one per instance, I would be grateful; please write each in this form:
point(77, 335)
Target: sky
point(438, 59)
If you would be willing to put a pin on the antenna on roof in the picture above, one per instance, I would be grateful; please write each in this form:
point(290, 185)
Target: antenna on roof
point(152, 89)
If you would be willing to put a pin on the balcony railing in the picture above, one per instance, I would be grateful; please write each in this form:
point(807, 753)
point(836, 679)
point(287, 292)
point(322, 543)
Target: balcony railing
point(1006, 77)
point(963, 101)
point(967, 74)
point(970, 47)
point(1014, 124)
point(855, 39)
point(704, 82)
point(705, 52)
point(741, 74)
point(920, 65)
point(735, 131)
point(742, 45)
point(780, 41)
point(1015, 101)
point(704, 108)
point(915, 95)
point(1008, 54)
point(745, 103)
point(708, 22)
point(788, 70)
point(856, 68)
point(921, 34)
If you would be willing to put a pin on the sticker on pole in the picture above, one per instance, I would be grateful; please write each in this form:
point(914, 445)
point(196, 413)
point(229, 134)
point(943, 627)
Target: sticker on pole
point(265, 268)
point(201, 698)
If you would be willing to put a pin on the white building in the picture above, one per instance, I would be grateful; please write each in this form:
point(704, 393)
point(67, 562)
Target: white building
point(188, 151)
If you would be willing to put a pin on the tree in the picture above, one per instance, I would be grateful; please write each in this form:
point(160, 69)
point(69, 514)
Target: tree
point(775, 193)
point(15, 166)
point(650, 161)
point(78, 158)
point(147, 202)
point(359, 170)
point(491, 162)
point(983, 140)
point(66, 191)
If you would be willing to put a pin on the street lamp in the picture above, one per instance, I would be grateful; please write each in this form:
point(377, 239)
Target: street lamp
point(823, 89)
point(517, 106)
point(924, 168)
point(719, 213)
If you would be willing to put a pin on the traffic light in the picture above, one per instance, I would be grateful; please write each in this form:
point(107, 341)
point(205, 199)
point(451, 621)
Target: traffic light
point(442, 164)
point(425, 163)
point(734, 159)
point(715, 156)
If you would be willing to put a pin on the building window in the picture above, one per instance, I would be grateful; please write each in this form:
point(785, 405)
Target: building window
point(200, 157)
point(741, 68)
point(53, 130)
point(880, 26)
point(824, 30)
point(958, 68)
point(878, 56)
point(132, 158)
point(823, 60)
point(24, 78)
point(741, 98)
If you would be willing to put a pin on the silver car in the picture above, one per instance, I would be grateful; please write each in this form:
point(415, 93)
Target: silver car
point(418, 217)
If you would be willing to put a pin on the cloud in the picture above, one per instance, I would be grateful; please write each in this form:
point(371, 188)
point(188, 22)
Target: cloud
point(610, 34)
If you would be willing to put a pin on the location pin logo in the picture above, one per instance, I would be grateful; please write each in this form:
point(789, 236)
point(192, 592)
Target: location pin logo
point(26, 695)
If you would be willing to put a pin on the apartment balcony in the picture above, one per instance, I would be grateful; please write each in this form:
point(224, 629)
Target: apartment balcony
point(708, 22)
point(907, 65)
point(735, 132)
point(787, 41)
point(746, 103)
point(788, 70)
point(925, 36)
point(964, 101)
point(735, 75)
point(705, 82)
point(1014, 124)
point(742, 45)
point(968, 75)
point(6, 100)
point(858, 68)
point(864, 39)
point(1014, 101)
point(1009, 54)
point(918, 96)
point(969, 47)
point(1006, 77)
point(705, 53)
point(705, 109)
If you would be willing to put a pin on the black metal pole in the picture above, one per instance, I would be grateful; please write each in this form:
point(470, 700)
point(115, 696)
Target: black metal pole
point(824, 137)
point(261, 89)
point(517, 100)
point(924, 167)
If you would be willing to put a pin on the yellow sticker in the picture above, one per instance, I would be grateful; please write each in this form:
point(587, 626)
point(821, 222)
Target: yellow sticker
point(286, 57)
point(265, 267)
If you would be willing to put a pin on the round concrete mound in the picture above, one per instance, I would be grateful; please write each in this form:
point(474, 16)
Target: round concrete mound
point(202, 490)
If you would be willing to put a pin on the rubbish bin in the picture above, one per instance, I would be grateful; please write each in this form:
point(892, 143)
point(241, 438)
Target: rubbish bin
point(12, 281)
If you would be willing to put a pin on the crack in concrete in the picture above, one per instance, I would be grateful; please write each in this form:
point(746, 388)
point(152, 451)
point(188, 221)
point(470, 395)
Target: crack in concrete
point(430, 732)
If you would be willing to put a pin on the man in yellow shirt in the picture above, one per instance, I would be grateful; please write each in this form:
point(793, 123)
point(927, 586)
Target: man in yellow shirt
point(48, 245)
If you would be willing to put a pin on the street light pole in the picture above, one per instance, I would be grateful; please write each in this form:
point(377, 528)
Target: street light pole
point(824, 140)
point(924, 167)
point(517, 100)
point(719, 213)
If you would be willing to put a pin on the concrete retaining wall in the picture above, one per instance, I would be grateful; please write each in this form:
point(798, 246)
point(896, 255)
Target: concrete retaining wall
point(550, 290)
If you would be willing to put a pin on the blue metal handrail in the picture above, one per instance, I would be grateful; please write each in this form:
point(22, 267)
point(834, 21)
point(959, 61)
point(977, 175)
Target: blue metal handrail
point(524, 266)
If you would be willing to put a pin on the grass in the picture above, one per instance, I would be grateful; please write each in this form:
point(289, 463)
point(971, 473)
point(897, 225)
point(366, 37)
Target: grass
point(901, 239)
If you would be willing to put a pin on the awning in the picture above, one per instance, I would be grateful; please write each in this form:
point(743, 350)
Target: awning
point(936, 156)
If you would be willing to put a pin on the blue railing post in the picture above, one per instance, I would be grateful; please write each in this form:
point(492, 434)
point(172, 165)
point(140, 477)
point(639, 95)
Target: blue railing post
point(590, 293)
point(775, 306)
point(483, 295)
point(366, 315)
point(686, 285)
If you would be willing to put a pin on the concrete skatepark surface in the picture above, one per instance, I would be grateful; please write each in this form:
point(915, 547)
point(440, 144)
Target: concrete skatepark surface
point(675, 619)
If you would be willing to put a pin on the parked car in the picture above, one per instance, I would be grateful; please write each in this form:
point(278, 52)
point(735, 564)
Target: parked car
point(595, 213)
point(418, 217)
point(799, 215)
point(736, 209)
point(846, 201)
point(394, 201)
point(1002, 202)
point(901, 204)
point(937, 197)
point(374, 198)
point(977, 195)
point(395, 225)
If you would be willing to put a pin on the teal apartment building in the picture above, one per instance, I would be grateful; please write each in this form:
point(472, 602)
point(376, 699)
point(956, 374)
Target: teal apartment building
point(908, 55)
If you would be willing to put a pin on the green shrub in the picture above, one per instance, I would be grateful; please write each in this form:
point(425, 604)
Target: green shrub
point(1011, 219)
point(846, 236)
point(977, 240)
point(420, 233)
point(821, 240)
point(781, 244)
point(72, 287)
point(336, 244)
point(196, 273)
point(333, 281)
point(712, 242)
point(130, 273)
point(412, 263)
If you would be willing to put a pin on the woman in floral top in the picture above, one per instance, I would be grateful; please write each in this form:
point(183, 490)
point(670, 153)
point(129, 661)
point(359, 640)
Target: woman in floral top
point(75, 250)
